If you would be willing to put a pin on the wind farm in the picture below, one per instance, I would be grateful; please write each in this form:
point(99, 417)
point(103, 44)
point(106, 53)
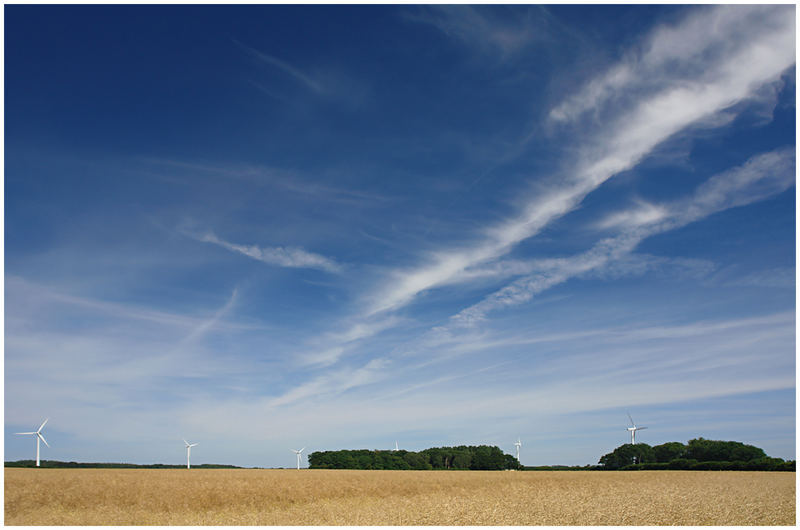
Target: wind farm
point(340, 488)
point(401, 487)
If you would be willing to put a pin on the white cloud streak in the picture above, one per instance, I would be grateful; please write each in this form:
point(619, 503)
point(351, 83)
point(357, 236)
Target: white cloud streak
point(759, 178)
point(730, 76)
point(210, 323)
point(298, 75)
point(474, 27)
point(332, 346)
point(282, 179)
point(282, 256)
point(680, 53)
point(39, 298)
point(334, 383)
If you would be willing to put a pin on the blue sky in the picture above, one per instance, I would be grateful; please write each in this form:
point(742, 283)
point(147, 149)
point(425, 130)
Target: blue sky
point(267, 227)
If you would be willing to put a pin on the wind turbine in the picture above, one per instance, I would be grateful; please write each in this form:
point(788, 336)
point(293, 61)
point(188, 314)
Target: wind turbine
point(188, 453)
point(38, 433)
point(396, 447)
point(298, 455)
point(518, 443)
point(633, 428)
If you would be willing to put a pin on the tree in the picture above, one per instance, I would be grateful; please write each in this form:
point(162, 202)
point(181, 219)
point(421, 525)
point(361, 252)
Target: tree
point(704, 450)
point(511, 462)
point(461, 457)
point(627, 454)
point(415, 461)
point(669, 451)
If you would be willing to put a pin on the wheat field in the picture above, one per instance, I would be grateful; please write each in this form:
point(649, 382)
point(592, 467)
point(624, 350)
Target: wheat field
point(338, 497)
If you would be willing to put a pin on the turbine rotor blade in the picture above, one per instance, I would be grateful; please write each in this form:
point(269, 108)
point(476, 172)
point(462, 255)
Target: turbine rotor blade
point(640, 428)
point(629, 417)
point(24, 433)
point(301, 450)
point(42, 437)
point(42, 425)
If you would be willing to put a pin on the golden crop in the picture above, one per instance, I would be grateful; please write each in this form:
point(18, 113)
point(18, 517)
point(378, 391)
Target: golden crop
point(333, 497)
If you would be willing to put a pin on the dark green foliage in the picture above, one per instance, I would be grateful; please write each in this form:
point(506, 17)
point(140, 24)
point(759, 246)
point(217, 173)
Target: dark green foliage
point(769, 464)
point(709, 465)
point(699, 454)
point(648, 466)
point(682, 463)
point(704, 450)
point(669, 451)
point(512, 462)
point(461, 457)
point(626, 455)
point(416, 461)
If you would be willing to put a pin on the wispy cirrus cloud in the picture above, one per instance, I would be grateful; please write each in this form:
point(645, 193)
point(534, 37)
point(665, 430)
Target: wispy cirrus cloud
point(776, 277)
point(694, 354)
point(760, 177)
point(300, 76)
point(333, 383)
point(38, 297)
point(732, 75)
point(331, 347)
point(635, 264)
point(679, 54)
point(652, 118)
point(208, 324)
point(644, 213)
point(278, 178)
point(483, 29)
point(292, 257)
point(323, 81)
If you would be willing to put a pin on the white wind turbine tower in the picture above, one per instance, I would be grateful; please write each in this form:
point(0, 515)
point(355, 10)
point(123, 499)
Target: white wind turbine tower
point(38, 433)
point(518, 443)
point(633, 428)
point(188, 453)
point(298, 455)
point(396, 447)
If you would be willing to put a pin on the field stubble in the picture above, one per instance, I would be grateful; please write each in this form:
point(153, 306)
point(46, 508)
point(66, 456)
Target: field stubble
point(334, 497)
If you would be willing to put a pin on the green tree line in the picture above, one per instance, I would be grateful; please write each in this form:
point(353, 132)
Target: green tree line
point(698, 454)
point(481, 457)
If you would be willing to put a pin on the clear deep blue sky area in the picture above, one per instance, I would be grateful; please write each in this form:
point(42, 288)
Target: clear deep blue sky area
point(261, 228)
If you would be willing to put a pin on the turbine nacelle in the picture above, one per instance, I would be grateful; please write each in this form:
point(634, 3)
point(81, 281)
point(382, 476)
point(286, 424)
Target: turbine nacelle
point(632, 429)
point(297, 452)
